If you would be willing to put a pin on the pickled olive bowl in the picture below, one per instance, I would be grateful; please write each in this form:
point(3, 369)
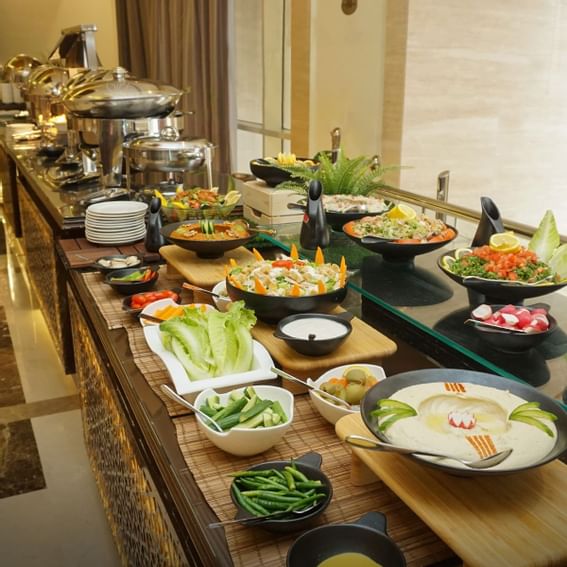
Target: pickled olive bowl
point(330, 411)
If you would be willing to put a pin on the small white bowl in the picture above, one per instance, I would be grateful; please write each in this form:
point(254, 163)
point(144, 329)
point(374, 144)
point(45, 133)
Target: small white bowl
point(247, 442)
point(221, 303)
point(154, 306)
point(328, 410)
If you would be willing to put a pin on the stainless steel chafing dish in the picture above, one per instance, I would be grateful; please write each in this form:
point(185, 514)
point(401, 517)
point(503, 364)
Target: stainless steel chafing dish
point(104, 108)
point(43, 91)
point(169, 155)
point(120, 98)
point(18, 68)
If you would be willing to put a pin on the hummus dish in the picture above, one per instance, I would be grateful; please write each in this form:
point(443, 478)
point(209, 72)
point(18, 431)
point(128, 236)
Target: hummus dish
point(469, 421)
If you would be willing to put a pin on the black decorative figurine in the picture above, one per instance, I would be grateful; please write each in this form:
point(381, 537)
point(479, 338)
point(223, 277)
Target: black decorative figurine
point(314, 230)
point(154, 238)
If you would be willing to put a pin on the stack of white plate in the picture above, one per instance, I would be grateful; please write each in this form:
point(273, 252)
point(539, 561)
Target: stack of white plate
point(115, 222)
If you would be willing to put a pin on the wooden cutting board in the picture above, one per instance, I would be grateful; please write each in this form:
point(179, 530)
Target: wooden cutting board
point(515, 520)
point(199, 271)
point(364, 344)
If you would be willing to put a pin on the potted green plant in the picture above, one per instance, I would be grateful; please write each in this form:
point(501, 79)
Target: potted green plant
point(347, 176)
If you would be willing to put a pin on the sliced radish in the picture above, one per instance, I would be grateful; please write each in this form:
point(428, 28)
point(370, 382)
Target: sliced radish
point(482, 312)
point(510, 319)
point(508, 309)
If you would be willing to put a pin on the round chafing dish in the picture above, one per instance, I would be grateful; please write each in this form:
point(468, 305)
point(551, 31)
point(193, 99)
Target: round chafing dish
point(154, 153)
point(121, 97)
point(18, 68)
point(42, 92)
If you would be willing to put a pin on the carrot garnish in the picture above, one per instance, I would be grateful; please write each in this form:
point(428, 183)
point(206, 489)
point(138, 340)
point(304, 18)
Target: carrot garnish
point(293, 253)
point(342, 272)
point(257, 255)
point(321, 287)
point(233, 263)
point(296, 291)
point(482, 444)
point(260, 287)
point(319, 257)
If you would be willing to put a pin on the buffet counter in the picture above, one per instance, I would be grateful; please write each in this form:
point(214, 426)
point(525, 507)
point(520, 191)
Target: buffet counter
point(161, 480)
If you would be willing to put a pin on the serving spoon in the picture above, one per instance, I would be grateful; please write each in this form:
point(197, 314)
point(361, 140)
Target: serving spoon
point(201, 289)
point(252, 520)
point(175, 396)
point(374, 445)
point(322, 393)
point(479, 323)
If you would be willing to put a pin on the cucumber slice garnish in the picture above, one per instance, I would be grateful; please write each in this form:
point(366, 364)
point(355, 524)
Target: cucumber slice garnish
point(534, 422)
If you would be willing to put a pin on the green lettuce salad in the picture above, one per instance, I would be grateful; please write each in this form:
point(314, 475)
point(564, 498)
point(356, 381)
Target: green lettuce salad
point(211, 343)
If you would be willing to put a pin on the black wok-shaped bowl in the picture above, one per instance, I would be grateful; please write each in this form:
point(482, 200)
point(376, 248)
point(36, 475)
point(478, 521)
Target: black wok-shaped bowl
point(314, 347)
point(500, 291)
point(104, 270)
point(510, 341)
point(272, 308)
point(392, 250)
point(310, 465)
point(388, 387)
point(270, 173)
point(127, 302)
point(366, 536)
point(129, 288)
point(203, 248)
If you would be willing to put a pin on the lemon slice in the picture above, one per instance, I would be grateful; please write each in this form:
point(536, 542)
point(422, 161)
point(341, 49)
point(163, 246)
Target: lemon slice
point(460, 252)
point(447, 262)
point(504, 242)
point(402, 212)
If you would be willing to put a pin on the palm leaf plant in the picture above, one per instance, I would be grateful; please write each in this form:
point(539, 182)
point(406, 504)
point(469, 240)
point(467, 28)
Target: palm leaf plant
point(347, 176)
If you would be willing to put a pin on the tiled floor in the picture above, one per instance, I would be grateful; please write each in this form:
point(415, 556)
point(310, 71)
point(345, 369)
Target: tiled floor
point(64, 523)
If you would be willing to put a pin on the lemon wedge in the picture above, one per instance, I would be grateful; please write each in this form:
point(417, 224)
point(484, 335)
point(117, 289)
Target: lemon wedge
point(402, 212)
point(504, 242)
point(447, 262)
point(460, 252)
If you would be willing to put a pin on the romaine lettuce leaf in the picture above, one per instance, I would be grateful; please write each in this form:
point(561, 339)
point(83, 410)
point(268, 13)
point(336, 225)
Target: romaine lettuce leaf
point(558, 262)
point(546, 238)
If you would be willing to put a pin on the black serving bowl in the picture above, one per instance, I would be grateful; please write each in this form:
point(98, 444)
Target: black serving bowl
point(104, 270)
point(366, 536)
point(270, 172)
point(310, 465)
point(273, 308)
point(392, 250)
point(127, 301)
point(510, 341)
point(129, 288)
point(204, 248)
point(499, 291)
point(387, 388)
point(314, 346)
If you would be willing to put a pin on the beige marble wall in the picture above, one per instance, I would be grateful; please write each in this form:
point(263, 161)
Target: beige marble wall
point(480, 88)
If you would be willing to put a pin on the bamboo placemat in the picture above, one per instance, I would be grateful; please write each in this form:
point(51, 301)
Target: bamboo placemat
point(310, 432)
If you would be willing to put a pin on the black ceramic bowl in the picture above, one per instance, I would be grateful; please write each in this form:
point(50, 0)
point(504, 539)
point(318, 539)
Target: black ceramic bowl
point(270, 173)
point(272, 308)
point(128, 288)
point(394, 251)
point(499, 291)
point(203, 248)
point(510, 341)
point(366, 536)
point(386, 388)
point(127, 301)
point(313, 346)
point(103, 269)
point(310, 465)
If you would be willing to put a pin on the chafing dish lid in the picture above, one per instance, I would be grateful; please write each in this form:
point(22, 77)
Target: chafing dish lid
point(121, 96)
point(19, 67)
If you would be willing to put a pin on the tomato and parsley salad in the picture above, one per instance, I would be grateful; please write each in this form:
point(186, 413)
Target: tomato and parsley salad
point(484, 262)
